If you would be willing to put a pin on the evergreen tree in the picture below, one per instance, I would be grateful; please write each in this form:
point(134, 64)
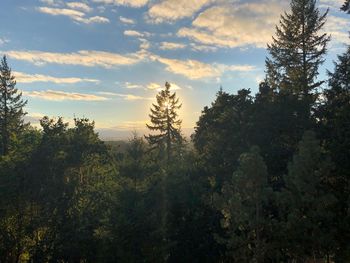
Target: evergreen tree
point(298, 49)
point(164, 119)
point(346, 6)
point(11, 108)
point(242, 205)
point(221, 134)
point(335, 131)
point(309, 202)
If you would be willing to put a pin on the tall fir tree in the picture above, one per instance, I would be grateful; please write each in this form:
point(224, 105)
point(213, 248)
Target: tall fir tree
point(11, 108)
point(298, 49)
point(164, 119)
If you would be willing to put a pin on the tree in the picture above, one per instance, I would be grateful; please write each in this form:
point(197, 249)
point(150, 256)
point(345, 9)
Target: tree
point(334, 129)
point(346, 6)
point(221, 134)
point(298, 49)
point(11, 108)
point(242, 205)
point(309, 202)
point(164, 118)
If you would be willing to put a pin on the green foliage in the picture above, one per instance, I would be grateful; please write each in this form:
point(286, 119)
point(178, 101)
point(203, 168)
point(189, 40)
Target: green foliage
point(242, 205)
point(346, 6)
point(11, 109)
point(309, 203)
point(221, 132)
point(298, 49)
point(164, 119)
point(267, 179)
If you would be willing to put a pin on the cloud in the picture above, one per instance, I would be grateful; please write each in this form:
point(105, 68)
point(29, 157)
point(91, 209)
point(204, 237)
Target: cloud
point(52, 2)
point(127, 20)
point(203, 48)
point(75, 15)
point(61, 96)
point(153, 86)
point(337, 27)
point(79, 6)
point(128, 85)
point(194, 69)
point(133, 33)
point(171, 46)
point(27, 78)
point(145, 44)
point(156, 86)
point(131, 3)
point(88, 58)
point(235, 24)
point(128, 97)
point(172, 10)
point(336, 4)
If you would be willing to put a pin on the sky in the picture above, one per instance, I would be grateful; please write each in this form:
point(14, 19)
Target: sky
point(107, 59)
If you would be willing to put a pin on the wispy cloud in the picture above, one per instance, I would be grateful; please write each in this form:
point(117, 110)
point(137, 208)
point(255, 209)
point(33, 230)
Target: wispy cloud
point(128, 85)
point(75, 15)
point(87, 58)
point(52, 2)
point(194, 69)
point(133, 33)
point(172, 10)
point(153, 86)
point(28, 78)
point(54, 95)
point(79, 6)
point(131, 3)
point(171, 46)
point(338, 27)
point(127, 20)
point(128, 97)
point(156, 86)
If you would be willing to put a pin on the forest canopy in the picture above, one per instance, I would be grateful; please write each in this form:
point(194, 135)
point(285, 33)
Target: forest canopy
point(265, 177)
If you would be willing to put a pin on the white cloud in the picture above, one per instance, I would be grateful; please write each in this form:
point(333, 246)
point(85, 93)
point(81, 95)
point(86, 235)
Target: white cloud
point(52, 2)
point(75, 15)
point(128, 85)
point(127, 20)
point(194, 69)
point(28, 78)
point(88, 58)
point(337, 27)
point(145, 44)
point(153, 86)
point(131, 3)
point(156, 86)
point(336, 4)
point(171, 46)
point(79, 6)
point(172, 10)
point(128, 97)
point(236, 24)
point(61, 96)
point(203, 48)
point(133, 33)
